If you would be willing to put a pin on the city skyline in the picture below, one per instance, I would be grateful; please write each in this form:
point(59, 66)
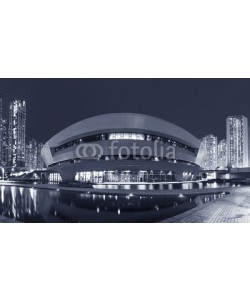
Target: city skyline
point(210, 101)
point(232, 151)
point(17, 153)
point(98, 153)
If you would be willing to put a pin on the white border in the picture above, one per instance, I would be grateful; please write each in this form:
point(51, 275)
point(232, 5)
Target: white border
point(143, 261)
point(130, 38)
point(136, 38)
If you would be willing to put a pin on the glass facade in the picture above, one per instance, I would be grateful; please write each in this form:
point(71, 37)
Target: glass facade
point(127, 136)
point(124, 136)
point(125, 176)
point(55, 178)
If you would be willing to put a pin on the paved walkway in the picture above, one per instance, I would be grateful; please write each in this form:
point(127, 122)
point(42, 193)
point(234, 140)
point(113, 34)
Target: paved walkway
point(232, 208)
point(7, 220)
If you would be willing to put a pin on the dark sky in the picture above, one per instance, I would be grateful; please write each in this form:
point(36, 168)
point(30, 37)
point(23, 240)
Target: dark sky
point(198, 105)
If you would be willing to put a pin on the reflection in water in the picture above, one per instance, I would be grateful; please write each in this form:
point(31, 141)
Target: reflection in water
point(40, 205)
point(167, 186)
point(13, 194)
point(21, 203)
point(2, 193)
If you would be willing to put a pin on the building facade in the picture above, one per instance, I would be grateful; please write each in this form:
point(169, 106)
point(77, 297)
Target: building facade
point(124, 147)
point(40, 163)
point(17, 131)
point(222, 154)
point(31, 155)
point(5, 143)
point(210, 161)
point(237, 141)
point(33, 159)
point(1, 129)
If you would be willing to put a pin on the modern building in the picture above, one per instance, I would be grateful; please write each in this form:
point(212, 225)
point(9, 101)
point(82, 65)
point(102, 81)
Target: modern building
point(124, 147)
point(40, 163)
point(248, 146)
point(31, 155)
point(222, 154)
point(237, 141)
point(5, 143)
point(210, 159)
point(1, 129)
point(17, 128)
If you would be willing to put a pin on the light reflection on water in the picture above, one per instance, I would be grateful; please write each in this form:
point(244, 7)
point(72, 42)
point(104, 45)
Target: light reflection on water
point(41, 205)
point(167, 186)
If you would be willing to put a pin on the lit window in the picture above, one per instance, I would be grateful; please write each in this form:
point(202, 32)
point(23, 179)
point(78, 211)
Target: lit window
point(126, 136)
point(55, 178)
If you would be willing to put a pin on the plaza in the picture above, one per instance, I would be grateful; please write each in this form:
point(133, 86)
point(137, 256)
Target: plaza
point(232, 208)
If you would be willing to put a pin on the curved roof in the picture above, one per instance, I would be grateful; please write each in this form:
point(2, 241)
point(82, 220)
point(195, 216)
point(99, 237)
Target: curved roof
point(123, 122)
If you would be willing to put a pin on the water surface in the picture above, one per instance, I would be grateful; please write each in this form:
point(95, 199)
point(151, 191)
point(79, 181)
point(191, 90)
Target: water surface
point(41, 205)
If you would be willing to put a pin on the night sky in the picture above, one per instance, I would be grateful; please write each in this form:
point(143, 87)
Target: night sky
point(198, 105)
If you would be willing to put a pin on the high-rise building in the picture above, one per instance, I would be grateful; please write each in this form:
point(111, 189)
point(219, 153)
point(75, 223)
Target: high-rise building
point(40, 163)
point(1, 129)
point(222, 154)
point(17, 128)
point(5, 143)
point(33, 158)
point(237, 141)
point(31, 155)
point(248, 147)
point(210, 159)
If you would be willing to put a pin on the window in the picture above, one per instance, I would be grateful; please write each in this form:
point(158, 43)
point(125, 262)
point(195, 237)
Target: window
point(55, 178)
point(126, 136)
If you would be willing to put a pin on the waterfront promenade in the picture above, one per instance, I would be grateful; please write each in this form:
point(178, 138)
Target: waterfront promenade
point(121, 191)
point(232, 208)
point(7, 220)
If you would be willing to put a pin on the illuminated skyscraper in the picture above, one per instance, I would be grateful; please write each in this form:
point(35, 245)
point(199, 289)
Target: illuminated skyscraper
point(222, 154)
point(237, 141)
point(248, 147)
point(210, 160)
point(1, 129)
point(5, 143)
point(31, 155)
point(40, 163)
point(17, 128)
